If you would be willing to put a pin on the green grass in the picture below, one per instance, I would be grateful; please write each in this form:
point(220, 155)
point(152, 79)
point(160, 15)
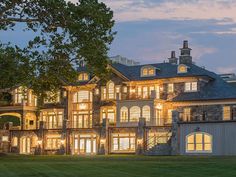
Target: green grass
point(116, 166)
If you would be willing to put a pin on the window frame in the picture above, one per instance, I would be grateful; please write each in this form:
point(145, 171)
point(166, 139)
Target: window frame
point(203, 143)
point(147, 71)
point(190, 86)
point(182, 66)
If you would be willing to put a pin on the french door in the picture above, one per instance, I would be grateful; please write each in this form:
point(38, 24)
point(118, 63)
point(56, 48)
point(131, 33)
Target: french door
point(25, 145)
point(85, 144)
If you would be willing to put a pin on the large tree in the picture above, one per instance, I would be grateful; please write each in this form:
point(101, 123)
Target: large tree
point(65, 34)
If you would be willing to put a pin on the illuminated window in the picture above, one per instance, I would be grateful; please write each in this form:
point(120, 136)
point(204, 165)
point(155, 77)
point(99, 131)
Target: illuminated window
point(169, 116)
point(104, 93)
point(108, 92)
point(81, 119)
point(123, 142)
point(52, 119)
point(14, 141)
point(20, 94)
point(199, 142)
point(148, 71)
point(145, 92)
point(125, 89)
point(111, 90)
point(83, 77)
point(146, 113)
point(5, 138)
point(82, 96)
point(97, 91)
point(53, 143)
point(124, 114)
point(187, 114)
point(170, 88)
point(190, 87)
point(108, 113)
point(182, 68)
point(139, 92)
point(226, 113)
point(135, 114)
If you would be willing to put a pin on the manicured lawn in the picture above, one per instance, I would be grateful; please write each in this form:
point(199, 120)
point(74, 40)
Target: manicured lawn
point(116, 166)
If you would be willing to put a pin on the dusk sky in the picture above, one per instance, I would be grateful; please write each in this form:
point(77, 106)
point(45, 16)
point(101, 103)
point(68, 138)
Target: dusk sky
point(149, 29)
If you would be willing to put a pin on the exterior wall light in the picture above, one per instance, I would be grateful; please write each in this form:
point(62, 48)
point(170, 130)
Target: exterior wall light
point(103, 141)
point(39, 142)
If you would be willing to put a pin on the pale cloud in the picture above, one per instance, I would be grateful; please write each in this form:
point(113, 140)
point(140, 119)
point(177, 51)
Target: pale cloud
point(136, 10)
point(223, 70)
point(230, 31)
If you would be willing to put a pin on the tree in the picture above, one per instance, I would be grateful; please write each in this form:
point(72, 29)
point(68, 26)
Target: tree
point(66, 33)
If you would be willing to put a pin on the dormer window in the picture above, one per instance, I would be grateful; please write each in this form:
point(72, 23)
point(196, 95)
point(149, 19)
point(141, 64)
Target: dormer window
point(148, 71)
point(182, 68)
point(83, 77)
point(190, 87)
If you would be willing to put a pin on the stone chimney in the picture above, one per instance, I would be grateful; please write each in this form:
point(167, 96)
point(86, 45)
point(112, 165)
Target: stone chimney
point(185, 54)
point(173, 59)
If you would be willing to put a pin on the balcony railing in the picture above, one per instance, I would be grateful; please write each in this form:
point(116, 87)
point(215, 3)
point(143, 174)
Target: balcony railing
point(51, 125)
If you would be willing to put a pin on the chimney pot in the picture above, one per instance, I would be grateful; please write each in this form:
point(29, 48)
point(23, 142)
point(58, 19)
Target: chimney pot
point(172, 54)
point(185, 44)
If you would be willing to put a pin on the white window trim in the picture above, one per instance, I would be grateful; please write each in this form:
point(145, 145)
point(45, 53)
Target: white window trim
point(191, 83)
point(148, 67)
point(196, 151)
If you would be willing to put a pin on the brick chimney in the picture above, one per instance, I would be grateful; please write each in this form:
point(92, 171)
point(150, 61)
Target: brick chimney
point(185, 54)
point(173, 59)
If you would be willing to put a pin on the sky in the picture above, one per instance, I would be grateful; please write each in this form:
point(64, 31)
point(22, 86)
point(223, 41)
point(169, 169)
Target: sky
point(148, 30)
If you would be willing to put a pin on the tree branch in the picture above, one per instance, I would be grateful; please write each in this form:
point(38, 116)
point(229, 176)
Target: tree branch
point(28, 20)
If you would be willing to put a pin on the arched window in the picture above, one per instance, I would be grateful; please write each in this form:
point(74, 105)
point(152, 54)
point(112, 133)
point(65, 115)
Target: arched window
point(182, 68)
point(135, 113)
point(124, 114)
point(148, 71)
point(199, 142)
point(146, 112)
point(111, 90)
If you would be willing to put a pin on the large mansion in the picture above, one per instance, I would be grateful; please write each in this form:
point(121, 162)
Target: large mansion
point(175, 107)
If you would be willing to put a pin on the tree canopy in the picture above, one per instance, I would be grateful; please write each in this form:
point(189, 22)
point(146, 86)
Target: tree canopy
point(65, 34)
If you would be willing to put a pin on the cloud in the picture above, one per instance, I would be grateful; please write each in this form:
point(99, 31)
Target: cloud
point(138, 10)
point(224, 70)
point(230, 31)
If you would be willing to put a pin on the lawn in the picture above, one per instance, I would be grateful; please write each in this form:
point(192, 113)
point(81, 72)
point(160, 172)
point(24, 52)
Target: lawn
point(116, 166)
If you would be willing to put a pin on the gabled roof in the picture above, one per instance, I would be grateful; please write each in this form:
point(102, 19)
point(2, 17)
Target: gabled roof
point(163, 70)
point(215, 89)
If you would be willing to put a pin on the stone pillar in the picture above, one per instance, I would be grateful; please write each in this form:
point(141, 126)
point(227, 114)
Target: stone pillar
point(64, 143)
point(103, 147)
point(140, 136)
point(175, 136)
point(39, 147)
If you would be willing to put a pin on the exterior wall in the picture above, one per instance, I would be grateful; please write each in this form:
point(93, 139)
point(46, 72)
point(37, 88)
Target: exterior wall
point(223, 137)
